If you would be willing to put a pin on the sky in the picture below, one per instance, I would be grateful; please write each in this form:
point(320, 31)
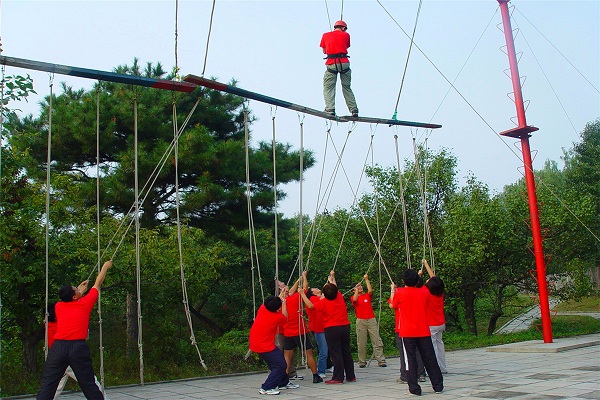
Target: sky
point(272, 48)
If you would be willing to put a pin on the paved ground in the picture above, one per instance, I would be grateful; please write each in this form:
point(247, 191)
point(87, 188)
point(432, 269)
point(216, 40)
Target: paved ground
point(566, 369)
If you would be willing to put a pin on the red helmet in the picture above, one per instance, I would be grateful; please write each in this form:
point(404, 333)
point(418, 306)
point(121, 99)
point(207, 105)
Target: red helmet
point(340, 23)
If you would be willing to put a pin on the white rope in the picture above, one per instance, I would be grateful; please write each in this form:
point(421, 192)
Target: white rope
point(138, 278)
point(274, 148)
point(1, 130)
point(145, 190)
point(423, 199)
point(47, 235)
point(184, 291)
point(403, 204)
point(98, 249)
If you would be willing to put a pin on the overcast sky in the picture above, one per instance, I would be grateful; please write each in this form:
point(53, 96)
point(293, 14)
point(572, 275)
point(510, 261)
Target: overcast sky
point(272, 48)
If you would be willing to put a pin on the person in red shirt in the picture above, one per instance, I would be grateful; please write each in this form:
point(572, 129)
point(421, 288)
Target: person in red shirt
point(414, 330)
point(69, 347)
point(271, 315)
point(295, 333)
point(366, 324)
point(337, 331)
point(315, 324)
point(52, 324)
point(335, 45)
point(436, 317)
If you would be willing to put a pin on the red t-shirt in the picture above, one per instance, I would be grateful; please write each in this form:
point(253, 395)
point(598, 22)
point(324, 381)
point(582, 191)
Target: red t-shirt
point(264, 329)
point(335, 42)
point(363, 306)
point(435, 311)
point(295, 323)
point(51, 333)
point(315, 318)
point(412, 303)
point(334, 311)
point(73, 317)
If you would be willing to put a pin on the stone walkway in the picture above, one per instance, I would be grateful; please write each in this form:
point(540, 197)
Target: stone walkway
point(567, 369)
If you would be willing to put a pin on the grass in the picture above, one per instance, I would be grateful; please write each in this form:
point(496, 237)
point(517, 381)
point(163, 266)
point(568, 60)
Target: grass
point(587, 304)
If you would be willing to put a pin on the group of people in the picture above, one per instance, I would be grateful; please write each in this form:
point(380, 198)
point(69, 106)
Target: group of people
point(419, 310)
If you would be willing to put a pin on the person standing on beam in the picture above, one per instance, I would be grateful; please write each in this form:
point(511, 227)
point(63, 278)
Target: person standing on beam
point(335, 45)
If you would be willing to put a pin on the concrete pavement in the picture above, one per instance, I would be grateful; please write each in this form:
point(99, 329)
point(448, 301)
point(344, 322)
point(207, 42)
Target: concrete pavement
point(567, 369)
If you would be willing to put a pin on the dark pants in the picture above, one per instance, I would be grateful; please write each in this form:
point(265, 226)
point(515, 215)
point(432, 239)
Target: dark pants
point(425, 346)
point(276, 362)
point(73, 353)
point(420, 366)
point(338, 345)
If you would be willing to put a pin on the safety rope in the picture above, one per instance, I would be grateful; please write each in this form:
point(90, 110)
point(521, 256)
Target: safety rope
point(1, 131)
point(138, 277)
point(98, 249)
point(274, 148)
point(47, 235)
point(212, 12)
point(423, 201)
point(185, 298)
point(412, 38)
point(403, 204)
point(176, 68)
point(145, 190)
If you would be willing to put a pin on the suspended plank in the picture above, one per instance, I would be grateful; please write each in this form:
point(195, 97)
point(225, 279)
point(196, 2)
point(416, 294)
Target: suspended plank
point(98, 75)
point(281, 103)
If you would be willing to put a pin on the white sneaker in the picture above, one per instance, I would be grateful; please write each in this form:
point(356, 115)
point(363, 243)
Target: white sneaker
point(290, 385)
point(268, 391)
point(322, 375)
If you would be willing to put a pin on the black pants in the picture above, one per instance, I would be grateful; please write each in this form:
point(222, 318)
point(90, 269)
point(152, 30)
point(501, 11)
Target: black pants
point(420, 366)
point(64, 353)
point(338, 344)
point(425, 347)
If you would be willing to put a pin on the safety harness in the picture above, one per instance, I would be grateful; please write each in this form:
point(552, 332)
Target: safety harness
point(338, 63)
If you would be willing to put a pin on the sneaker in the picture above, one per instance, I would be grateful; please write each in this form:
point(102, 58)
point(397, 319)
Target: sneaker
point(317, 378)
point(290, 385)
point(355, 114)
point(322, 375)
point(400, 380)
point(438, 391)
point(329, 370)
point(333, 382)
point(351, 380)
point(268, 391)
point(411, 393)
point(362, 365)
point(330, 111)
point(422, 378)
point(383, 365)
point(296, 377)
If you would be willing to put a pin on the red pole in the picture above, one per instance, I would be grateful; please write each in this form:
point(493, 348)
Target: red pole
point(522, 132)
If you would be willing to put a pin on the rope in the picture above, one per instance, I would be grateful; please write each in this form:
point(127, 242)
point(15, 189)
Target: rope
point(412, 38)
point(423, 202)
point(146, 189)
point(274, 146)
point(212, 12)
point(138, 279)
point(1, 130)
point(176, 69)
point(47, 235)
point(300, 247)
point(185, 300)
point(98, 249)
point(403, 204)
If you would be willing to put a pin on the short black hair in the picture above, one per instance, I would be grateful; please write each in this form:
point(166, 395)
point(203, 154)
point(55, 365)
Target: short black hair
point(272, 303)
point(330, 291)
point(435, 286)
point(410, 277)
point(66, 293)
